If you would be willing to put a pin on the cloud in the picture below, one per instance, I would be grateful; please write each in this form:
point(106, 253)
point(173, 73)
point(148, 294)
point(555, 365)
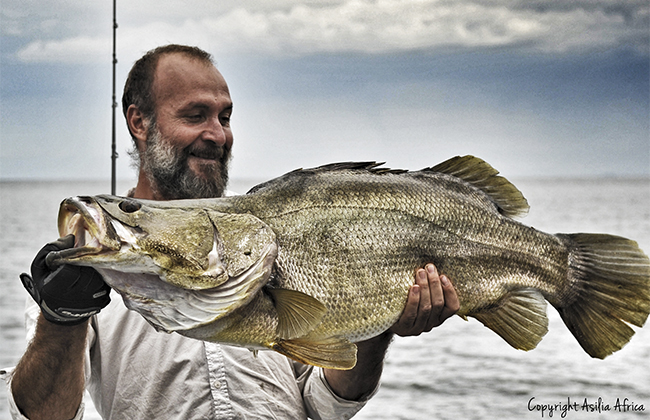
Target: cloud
point(366, 26)
point(79, 49)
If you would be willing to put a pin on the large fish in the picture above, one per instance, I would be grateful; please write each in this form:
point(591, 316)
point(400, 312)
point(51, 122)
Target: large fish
point(311, 262)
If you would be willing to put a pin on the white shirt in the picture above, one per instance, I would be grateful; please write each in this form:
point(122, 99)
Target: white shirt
point(133, 372)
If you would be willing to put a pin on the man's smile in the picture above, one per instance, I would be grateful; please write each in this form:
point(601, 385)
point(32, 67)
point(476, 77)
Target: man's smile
point(206, 153)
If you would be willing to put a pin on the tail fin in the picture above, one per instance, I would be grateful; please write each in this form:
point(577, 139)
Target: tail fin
point(611, 278)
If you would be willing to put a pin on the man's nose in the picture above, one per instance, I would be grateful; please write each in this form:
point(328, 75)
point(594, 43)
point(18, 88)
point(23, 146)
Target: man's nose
point(215, 132)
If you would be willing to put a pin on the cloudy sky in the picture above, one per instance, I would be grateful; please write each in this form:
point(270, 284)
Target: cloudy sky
point(537, 88)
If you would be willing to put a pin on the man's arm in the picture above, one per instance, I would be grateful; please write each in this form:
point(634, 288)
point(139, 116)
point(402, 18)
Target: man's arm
point(432, 299)
point(48, 382)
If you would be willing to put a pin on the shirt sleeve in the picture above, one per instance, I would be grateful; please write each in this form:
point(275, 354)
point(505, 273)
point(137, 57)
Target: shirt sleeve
point(320, 400)
point(31, 315)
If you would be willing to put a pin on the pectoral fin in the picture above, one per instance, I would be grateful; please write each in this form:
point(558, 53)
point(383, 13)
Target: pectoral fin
point(329, 353)
point(298, 313)
point(519, 318)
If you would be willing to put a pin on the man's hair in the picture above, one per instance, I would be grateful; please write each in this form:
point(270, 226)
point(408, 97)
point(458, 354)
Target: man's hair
point(138, 89)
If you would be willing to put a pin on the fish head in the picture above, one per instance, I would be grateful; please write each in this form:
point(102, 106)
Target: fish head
point(187, 246)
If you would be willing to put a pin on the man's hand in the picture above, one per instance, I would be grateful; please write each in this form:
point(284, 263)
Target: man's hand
point(68, 294)
point(431, 300)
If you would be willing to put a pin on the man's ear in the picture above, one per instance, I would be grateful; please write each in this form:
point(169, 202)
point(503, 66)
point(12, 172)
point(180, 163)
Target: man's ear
point(138, 126)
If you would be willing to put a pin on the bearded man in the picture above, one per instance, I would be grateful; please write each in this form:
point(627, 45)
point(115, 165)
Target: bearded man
point(178, 108)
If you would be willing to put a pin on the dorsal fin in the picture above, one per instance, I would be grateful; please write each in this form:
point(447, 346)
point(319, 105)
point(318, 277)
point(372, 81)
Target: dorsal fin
point(369, 166)
point(510, 201)
point(374, 167)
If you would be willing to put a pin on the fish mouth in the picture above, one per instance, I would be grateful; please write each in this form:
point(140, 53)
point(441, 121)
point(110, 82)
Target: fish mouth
point(85, 219)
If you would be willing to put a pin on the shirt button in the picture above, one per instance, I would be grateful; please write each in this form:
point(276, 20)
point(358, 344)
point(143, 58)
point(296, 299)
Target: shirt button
point(216, 384)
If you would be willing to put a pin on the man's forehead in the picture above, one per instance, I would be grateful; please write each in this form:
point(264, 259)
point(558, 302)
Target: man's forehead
point(179, 72)
point(180, 59)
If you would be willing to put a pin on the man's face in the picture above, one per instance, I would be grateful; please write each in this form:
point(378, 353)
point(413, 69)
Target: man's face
point(168, 169)
point(188, 148)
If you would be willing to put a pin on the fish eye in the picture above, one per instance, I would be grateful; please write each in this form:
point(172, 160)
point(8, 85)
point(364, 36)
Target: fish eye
point(129, 206)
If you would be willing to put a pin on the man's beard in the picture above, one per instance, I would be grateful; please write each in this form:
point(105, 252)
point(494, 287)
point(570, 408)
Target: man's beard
point(169, 173)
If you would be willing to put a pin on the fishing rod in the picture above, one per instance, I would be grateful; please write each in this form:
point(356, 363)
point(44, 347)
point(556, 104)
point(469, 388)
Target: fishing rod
point(114, 154)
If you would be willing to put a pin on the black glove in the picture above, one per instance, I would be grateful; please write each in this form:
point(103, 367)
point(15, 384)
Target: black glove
point(68, 294)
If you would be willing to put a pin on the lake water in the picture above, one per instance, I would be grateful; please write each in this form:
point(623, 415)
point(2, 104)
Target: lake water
point(461, 370)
